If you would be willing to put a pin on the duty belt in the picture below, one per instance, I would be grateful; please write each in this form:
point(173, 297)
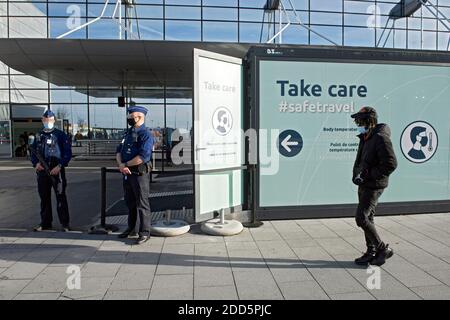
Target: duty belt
point(141, 169)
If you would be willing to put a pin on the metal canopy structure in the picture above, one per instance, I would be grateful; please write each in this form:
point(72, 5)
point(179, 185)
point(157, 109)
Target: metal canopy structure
point(405, 9)
point(109, 63)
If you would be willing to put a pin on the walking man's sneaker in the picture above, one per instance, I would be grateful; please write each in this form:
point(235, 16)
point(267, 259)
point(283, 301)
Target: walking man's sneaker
point(366, 258)
point(382, 255)
point(65, 229)
point(127, 233)
point(40, 228)
point(142, 239)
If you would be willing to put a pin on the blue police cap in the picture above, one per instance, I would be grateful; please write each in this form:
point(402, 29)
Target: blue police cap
point(138, 109)
point(48, 114)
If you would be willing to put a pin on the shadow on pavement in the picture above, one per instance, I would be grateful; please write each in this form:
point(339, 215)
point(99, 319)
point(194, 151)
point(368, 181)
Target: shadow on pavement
point(81, 254)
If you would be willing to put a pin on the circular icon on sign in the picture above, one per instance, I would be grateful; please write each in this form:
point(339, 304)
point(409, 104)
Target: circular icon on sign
point(290, 143)
point(419, 142)
point(222, 121)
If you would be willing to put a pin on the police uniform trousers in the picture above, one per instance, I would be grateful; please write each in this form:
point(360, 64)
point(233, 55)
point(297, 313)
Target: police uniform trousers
point(45, 186)
point(365, 213)
point(136, 193)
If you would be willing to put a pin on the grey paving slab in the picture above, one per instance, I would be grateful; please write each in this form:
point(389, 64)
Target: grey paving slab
point(286, 226)
point(178, 248)
point(390, 287)
point(302, 242)
point(423, 260)
point(244, 245)
point(43, 254)
point(304, 290)
point(434, 247)
point(8, 257)
point(243, 260)
point(295, 235)
point(50, 280)
point(215, 293)
point(256, 284)
point(172, 287)
point(301, 259)
point(204, 238)
point(335, 246)
point(210, 250)
point(105, 269)
point(213, 277)
point(245, 236)
point(319, 231)
point(38, 296)
point(265, 235)
point(127, 295)
point(176, 264)
point(133, 277)
point(24, 270)
point(308, 222)
point(442, 275)
point(441, 292)
point(336, 280)
point(291, 273)
point(446, 258)
point(149, 257)
point(408, 274)
point(353, 296)
point(314, 257)
point(91, 288)
point(275, 249)
point(11, 288)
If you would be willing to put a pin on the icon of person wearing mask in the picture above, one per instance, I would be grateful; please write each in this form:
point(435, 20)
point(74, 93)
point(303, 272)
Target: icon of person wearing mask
point(223, 122)
point(419, 139)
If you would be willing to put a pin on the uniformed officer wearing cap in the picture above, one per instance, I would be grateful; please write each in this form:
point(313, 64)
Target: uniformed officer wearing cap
point(133, 158)
point(375, 161)
point(54, 147)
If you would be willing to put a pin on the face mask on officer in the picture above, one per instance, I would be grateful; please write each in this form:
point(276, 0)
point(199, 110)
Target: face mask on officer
point(133, 120)
point(49, 124)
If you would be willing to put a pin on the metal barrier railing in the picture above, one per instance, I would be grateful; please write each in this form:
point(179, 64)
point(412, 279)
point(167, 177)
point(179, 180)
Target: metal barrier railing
point(95, 147)
point(103, 227)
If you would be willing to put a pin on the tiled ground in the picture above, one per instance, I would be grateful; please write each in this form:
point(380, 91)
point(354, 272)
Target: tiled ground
point(302, 259)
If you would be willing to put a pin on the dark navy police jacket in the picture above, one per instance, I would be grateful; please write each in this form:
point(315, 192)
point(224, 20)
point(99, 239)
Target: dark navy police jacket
point(136, 142)
point(54, 146)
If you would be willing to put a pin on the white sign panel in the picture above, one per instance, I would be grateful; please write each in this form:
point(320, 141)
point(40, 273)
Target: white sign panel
point(217, 132)
point(219, 104)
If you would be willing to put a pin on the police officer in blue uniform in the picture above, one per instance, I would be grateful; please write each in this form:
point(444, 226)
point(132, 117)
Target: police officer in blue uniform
point(54, 148)
point(133, 158)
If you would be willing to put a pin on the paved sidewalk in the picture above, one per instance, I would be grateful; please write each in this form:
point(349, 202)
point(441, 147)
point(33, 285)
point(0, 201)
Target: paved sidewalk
point(301, 259)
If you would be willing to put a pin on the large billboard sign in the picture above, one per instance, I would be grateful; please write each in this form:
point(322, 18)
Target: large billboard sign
point(306, 103)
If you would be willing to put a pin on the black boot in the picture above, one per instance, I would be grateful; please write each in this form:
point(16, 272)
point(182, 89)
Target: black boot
point(383, 253)
point(366, 258)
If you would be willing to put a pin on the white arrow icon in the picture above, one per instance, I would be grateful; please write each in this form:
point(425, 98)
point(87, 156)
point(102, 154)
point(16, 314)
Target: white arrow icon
point(286, 143)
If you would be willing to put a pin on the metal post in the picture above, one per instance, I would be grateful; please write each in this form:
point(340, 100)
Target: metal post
point(120, 19)
point(254, 223)
point(222, 216)
point(168, 216)
point(103, 197)
point(280, 39)
point(103, 228)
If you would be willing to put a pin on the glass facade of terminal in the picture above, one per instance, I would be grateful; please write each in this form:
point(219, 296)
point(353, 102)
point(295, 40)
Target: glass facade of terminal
point(93, 113)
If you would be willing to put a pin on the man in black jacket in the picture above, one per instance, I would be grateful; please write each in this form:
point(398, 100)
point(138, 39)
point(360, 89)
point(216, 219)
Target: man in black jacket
point(375, 161)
